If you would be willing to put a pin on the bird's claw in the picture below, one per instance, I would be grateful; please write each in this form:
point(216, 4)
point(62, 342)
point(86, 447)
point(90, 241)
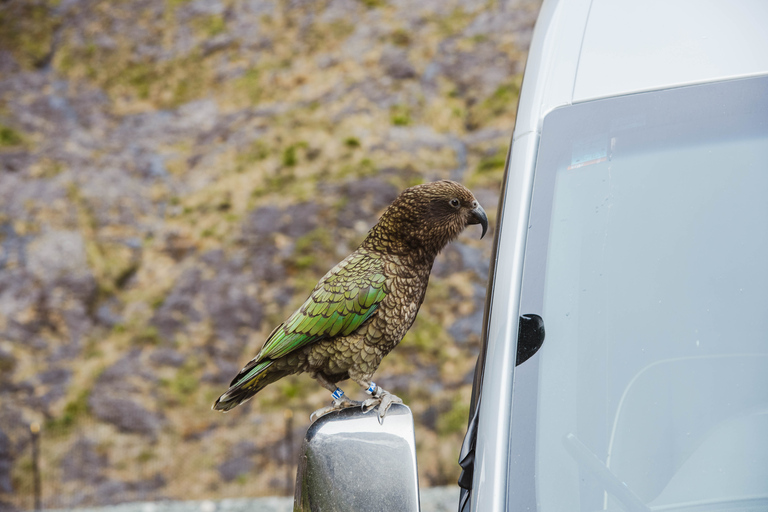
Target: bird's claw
point(337, 405)
point(384, 400)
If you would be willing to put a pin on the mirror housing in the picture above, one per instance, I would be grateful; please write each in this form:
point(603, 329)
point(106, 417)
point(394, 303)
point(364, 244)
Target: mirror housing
point(350, 463)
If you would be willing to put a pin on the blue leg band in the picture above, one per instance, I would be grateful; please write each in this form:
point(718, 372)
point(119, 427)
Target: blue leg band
point(371, 389)
point(337, 394)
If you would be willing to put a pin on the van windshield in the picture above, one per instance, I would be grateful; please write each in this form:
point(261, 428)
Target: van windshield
point(647, 258)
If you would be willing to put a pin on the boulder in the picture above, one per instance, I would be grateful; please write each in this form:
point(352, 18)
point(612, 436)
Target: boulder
point(125, 414)
point(83, 463)
point(6, 464)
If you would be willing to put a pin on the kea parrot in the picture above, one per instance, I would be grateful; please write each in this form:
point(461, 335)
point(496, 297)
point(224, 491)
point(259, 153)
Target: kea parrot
point(362, 308)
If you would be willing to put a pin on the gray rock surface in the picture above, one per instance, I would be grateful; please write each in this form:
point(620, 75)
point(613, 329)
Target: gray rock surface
point(118, 396)
point(6, 464)
point(128, 415)
point(84, 463)
point(174, 178)
point(235, 467)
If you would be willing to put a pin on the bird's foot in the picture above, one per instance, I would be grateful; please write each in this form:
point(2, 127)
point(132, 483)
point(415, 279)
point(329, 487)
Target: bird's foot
point(382, 398)
point(342, 402)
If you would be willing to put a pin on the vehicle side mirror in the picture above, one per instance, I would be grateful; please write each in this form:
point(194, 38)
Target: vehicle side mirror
point(351, 463)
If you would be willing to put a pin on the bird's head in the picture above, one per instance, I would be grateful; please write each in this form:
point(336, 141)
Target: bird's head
point(430, 215)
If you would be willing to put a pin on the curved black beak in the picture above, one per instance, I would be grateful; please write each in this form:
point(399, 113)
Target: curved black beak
point(478, 216)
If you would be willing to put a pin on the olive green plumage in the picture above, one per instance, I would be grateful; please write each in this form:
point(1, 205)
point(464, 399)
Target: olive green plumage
point(361, 309)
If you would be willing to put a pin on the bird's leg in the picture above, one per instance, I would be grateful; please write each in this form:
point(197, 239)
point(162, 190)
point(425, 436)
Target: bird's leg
point(340, 400)
point(381, 397)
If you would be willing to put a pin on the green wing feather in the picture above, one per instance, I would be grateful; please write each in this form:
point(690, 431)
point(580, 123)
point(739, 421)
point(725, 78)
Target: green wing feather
point(345, 298)
point(341, 302)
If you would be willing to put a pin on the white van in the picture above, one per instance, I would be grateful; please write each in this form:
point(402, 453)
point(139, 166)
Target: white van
point(633, 230)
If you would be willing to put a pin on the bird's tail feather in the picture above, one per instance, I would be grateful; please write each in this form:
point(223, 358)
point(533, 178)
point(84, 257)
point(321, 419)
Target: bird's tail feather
point(243, 388)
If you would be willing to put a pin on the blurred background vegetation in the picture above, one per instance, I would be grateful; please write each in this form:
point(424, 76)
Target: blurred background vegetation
point(175, 175)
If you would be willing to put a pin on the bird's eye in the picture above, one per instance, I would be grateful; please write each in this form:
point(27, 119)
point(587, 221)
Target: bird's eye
point(455, 203)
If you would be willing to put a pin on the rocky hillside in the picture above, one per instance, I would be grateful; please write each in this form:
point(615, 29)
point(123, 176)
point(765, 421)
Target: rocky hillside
point(175, 175)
